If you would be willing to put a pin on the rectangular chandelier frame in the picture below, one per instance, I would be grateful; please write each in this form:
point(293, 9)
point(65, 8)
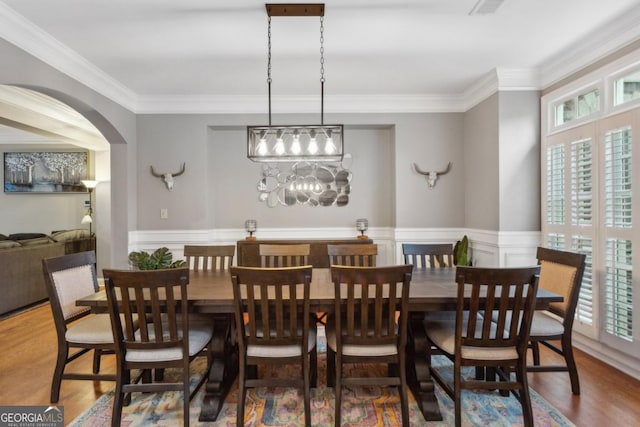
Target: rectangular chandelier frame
point(315, 143)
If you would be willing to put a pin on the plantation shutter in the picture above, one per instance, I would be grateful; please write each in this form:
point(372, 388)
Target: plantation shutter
point(618, 293)
point(581, 182)
point(584, 310)
point(570, 210)
point(555, 185)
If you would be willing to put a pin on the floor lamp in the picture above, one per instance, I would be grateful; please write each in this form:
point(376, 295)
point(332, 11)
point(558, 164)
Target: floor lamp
point(88, 218)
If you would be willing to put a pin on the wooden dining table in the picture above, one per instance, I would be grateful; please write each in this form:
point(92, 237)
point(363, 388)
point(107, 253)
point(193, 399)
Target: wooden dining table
point(211, 292)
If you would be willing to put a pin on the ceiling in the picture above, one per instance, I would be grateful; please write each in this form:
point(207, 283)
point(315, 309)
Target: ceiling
point(183, 56)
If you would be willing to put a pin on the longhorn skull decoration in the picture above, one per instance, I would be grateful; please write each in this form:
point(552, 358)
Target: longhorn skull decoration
point(432, 177)
point(168, 177)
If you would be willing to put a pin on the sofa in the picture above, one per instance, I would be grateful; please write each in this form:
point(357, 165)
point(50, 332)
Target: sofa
point(21, 254)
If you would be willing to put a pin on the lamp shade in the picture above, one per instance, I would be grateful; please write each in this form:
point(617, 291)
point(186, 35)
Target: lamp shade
point(86, 219)
point(91, 184)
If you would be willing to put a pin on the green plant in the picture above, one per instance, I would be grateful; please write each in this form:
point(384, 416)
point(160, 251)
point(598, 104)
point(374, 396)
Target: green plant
point(460, 252)
point(160, 258)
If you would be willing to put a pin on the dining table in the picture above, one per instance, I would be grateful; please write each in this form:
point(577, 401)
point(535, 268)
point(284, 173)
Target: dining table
point(211, 292)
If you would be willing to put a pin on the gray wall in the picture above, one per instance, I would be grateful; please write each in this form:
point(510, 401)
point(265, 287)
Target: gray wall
point(218, 189)
point(481, 169)
point(519, 160)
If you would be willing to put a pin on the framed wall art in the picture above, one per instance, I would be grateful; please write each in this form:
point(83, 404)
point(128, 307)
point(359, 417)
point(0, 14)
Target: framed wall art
point(45, 172)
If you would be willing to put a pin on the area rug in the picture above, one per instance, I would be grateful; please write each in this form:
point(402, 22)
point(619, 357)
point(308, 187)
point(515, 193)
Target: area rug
point(362, 406)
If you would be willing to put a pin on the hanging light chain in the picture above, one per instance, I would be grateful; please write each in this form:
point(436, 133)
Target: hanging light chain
point(269, 68)
point(322, 49)
point(322, 70)
point(269, 53)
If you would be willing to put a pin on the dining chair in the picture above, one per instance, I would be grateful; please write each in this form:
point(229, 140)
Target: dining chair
point(209, 257)
point(363, 328)
point(68, 278)
point(362, 255)
point(425, 256)
point(165, 337)
point(284, 255)
point(561, 273)
point(274, 327)
point(478, 341)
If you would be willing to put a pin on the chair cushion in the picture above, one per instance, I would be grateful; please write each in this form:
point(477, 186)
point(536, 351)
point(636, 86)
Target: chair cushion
point(442, 333)
point(357, 350)
point(283, 350)
point(545, 324)
point(200, 333)
point(91, 330)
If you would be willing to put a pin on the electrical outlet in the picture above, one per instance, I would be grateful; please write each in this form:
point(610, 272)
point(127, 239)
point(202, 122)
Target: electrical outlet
point(164, 213)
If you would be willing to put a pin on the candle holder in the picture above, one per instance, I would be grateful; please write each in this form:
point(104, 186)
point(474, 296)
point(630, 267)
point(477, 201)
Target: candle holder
point(362, 224)
point(251, 226)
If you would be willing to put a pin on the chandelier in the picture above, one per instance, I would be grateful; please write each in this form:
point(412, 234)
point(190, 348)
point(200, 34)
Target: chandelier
point(316, 143)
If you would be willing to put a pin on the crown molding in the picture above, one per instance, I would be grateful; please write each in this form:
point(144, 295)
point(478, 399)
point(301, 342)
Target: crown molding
point(621, 31)
point(501, 79)
point(245, 104)
point(21, 32)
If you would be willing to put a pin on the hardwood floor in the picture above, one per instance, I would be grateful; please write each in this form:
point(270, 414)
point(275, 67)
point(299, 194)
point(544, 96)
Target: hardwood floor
point(28, 354)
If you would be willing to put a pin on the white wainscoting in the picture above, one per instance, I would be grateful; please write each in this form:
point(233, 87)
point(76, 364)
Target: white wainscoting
point(487, 248)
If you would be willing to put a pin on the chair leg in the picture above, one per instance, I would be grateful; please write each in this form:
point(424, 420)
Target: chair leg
point(525, 399)
point(118, 399)
point(338, 390)
point(331, 367)
point(97, 354)
point(185, 394)
point(313, 360)
point(307, 393)
point(535, 352)
point(404, 398)
point(567, 351)
point(61, 361)
point(457, 393)
point(241, 393)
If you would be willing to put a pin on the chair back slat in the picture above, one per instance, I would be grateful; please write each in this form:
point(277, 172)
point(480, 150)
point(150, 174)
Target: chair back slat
point(367, 299)
point(428, 256)
point(209, 257)
point(271, 304)
point(509, 299)
point(358, 255)
point(284, 255)
point(154, 306)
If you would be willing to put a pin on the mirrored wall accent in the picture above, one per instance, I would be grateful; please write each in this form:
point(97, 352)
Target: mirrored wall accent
point(306, 183)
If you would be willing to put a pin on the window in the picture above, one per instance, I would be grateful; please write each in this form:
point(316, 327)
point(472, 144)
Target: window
point(589, 160)
point(627, 88)
point(582, 105)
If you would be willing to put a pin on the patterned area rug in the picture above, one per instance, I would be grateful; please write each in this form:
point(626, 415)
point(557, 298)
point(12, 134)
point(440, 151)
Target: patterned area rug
point(366, 406)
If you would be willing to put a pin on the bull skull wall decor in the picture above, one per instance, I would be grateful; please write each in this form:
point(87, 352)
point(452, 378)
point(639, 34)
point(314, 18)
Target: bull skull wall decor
point(432, 177)
point(168, 177)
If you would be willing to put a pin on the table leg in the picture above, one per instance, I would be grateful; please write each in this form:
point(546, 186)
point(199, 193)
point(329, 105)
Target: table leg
point(418, 375)
point(223, 355)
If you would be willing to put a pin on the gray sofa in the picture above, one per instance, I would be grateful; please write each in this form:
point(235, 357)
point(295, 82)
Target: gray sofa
point(21, 276)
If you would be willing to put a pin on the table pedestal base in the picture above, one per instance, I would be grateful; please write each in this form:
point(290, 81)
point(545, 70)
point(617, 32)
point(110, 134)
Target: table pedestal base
point(418, 375)
point(223, 355)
